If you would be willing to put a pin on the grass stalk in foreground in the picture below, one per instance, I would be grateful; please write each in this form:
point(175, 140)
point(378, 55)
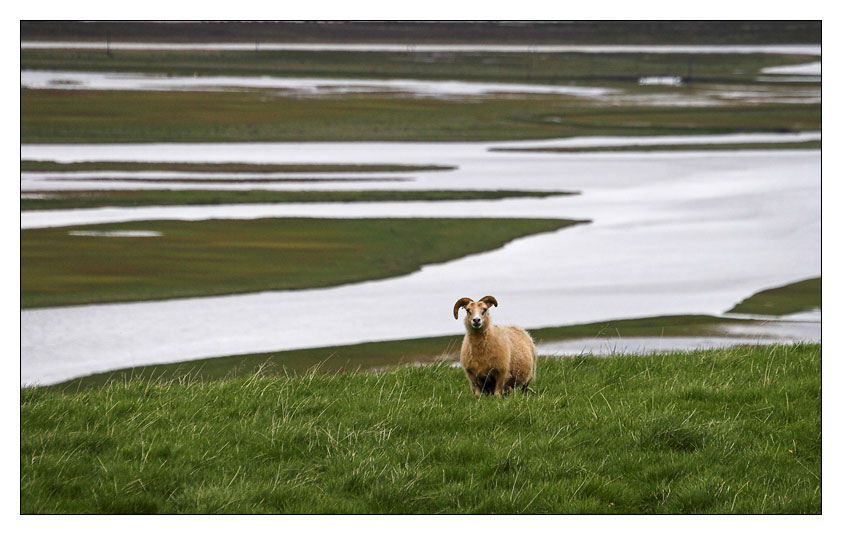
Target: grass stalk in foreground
point(726, 431)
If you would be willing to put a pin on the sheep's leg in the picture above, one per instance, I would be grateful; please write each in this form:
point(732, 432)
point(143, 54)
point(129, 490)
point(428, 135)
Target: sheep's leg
point(510, 385)
point(500, 386)
point(476, 389)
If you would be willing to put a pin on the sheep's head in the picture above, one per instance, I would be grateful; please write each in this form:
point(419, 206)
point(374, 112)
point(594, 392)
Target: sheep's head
point(477, 316)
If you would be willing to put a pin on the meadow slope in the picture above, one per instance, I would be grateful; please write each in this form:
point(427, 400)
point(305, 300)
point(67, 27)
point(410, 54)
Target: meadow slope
point(725, 431)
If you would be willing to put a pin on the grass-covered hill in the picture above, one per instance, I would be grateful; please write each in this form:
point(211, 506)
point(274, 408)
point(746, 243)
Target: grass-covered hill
point(726, 431)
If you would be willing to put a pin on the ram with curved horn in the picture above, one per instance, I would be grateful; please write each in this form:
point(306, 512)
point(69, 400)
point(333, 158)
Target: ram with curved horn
point(496, 359)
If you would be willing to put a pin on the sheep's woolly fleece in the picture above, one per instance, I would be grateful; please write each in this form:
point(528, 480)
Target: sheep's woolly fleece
point(496, 359)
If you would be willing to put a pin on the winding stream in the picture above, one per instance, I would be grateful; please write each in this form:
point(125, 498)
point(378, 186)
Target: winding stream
point(672, 233)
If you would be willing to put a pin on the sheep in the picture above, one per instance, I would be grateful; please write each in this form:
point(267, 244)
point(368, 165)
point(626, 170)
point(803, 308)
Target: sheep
point(495, 358)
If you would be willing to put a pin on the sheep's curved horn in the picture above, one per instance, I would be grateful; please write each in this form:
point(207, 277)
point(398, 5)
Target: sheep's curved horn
point(459, 304)
point(489, 300)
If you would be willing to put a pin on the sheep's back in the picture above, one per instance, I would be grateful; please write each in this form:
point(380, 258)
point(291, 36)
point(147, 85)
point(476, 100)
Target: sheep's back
point(522, 354)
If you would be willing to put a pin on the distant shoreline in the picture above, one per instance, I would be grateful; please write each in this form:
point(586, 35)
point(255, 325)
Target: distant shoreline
point(413, 32)
point(795, 49)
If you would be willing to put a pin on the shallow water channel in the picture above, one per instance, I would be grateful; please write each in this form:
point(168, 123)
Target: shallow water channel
point(711, 95)
point(105, 81)
point(785, 330)
point(671, 233)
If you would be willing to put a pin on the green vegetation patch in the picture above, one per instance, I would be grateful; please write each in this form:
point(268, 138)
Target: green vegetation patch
point(733, 431)
point(678, 147)
point(509, 67)
point(62, 200)
point(136, 116)
point(234, 256)
point(787, 299)
point(46, 165)
point(682, 325)
point(376, 355)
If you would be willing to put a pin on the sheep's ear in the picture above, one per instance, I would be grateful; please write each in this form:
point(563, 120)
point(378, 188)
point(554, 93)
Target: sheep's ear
point(489, 300)
point(459, 304)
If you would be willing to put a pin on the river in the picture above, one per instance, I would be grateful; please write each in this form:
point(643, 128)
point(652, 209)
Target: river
point(671, 233)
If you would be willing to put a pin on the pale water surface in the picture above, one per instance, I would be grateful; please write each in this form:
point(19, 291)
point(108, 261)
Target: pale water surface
point(808, 69)
point(784, 330)
point(472, 158)
point(716, 95)
point(672, 233)
point(146, 82)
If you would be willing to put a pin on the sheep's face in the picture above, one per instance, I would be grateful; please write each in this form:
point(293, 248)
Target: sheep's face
point(478, 317)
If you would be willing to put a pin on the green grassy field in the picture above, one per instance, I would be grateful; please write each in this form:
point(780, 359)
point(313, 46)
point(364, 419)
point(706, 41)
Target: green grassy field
point(555, 68)
point(734, 431)
point(64, 200)
point(220, 256)
point(787, 299)
point(65, 116)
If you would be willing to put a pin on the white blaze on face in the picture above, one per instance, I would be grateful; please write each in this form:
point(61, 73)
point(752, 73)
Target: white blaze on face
point(476, 315)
